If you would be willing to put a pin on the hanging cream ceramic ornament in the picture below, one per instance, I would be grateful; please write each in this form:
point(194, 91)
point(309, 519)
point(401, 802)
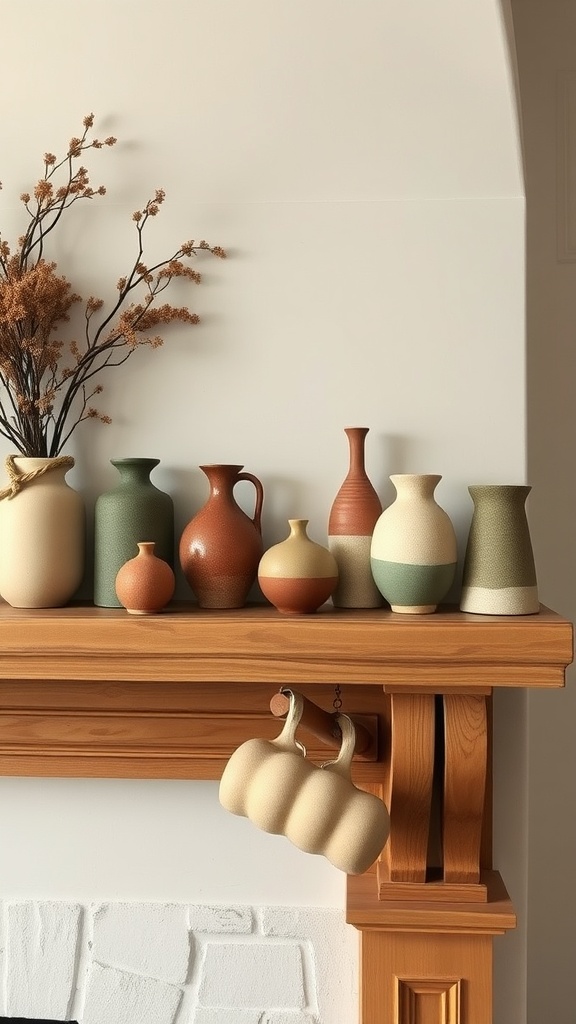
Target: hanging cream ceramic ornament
point(42, 534)
point(319, 809)
point(413, 551)
point(297, 575)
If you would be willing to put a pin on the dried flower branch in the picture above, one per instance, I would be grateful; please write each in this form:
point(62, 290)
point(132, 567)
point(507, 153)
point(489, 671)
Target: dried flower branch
point(47, 384)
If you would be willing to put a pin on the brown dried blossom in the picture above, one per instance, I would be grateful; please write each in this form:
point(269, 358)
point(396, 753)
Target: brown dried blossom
point(47, 381)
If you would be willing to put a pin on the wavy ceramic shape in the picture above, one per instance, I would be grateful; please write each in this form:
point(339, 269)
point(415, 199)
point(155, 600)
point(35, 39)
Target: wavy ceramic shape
point(319, 809)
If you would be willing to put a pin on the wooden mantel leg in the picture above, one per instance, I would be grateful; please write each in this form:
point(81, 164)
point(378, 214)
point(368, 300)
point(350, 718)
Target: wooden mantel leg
point(427, 928)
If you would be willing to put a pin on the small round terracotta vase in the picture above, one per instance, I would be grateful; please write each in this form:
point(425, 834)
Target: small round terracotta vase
point(297, 576)
point(145, 584)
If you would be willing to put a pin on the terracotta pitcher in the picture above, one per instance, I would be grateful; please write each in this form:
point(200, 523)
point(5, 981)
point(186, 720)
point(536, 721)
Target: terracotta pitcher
point(221, 546)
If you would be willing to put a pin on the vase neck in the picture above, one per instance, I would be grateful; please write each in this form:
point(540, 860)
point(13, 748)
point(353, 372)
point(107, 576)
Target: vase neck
point(298, 528)
point(221, 478)
point(499, 494)
point(356, 438)
point(134, 471)
point(146, 548)
point(415, 485)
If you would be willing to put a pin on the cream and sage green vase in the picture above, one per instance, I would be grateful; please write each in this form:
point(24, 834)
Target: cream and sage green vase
point(499, 575)
point(413, 552)
point(42, 534)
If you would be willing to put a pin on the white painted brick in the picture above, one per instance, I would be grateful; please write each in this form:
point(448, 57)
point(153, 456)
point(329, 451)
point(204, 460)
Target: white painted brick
point(118, 997)
point(204, 1016)
point(335, 954)
point(42, 941)
point(224, 919)
point(149, 938)
point(255, 974)
point(3, 959)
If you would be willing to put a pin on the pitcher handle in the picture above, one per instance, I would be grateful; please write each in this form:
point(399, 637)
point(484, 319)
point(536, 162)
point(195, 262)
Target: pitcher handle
point(343, 763)
point(256, 518)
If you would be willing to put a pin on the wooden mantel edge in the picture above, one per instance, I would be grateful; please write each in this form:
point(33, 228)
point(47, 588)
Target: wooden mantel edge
point(257, 644)
point(366, 912)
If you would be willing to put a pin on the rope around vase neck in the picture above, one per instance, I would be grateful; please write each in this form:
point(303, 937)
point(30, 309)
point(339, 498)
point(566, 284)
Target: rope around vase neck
point(18, 479)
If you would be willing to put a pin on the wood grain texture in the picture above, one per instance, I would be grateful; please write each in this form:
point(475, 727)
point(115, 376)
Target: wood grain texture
point(415, 981)
point(258, 644)
point(465, 762)
point(89, 691)
point(145, 730)
point(408, 791)
point(494, 917)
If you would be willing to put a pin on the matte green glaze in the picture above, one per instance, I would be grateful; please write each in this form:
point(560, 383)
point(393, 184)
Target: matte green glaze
point(407, 585)
point(499, 549)
point(134, 511)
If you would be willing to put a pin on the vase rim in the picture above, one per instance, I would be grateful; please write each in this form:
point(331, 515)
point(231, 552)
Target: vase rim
point(416, 476)
point(37, 458)
point(221, 465)
point(486, 488)
point(138, 461)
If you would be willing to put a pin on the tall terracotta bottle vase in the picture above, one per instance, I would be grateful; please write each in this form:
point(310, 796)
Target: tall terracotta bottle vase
point(221, 546)
point(353, 516)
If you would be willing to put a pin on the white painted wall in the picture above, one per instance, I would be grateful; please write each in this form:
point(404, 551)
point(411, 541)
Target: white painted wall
point(359, 159)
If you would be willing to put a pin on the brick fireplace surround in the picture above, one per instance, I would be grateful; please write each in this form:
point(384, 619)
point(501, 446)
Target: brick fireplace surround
point(91, 692)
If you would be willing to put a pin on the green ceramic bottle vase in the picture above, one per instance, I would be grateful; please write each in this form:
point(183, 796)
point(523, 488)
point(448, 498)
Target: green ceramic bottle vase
point(133, 512)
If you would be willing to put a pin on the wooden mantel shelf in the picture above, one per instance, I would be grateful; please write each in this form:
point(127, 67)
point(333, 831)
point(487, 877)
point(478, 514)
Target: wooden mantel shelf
point(87, 691)
point(257, 645)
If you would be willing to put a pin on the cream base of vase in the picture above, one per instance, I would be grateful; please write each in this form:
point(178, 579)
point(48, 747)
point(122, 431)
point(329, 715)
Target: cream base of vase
point(414, 609)
point(500, 600)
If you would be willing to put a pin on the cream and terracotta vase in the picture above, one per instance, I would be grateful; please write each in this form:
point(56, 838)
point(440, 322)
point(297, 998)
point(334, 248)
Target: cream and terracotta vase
point(318, 808)
point(42, 534)
point(298, 575)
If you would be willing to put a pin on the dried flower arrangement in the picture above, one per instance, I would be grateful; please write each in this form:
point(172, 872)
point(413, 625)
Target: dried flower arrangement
point(47, 384)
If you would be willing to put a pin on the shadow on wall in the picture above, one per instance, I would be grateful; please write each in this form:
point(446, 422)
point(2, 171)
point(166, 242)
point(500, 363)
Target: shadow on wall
point(545, 39)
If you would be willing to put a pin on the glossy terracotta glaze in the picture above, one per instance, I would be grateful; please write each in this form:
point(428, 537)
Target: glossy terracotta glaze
point(221, 546)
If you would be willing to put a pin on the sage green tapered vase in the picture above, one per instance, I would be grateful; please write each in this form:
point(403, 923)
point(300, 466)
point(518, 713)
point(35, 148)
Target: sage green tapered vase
point(133, 512)
point(499, 576)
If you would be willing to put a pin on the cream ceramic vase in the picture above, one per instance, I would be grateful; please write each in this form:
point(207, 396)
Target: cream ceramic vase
point(42, 535)
point(297, 575)
point(414, 551)
point(319, 809)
